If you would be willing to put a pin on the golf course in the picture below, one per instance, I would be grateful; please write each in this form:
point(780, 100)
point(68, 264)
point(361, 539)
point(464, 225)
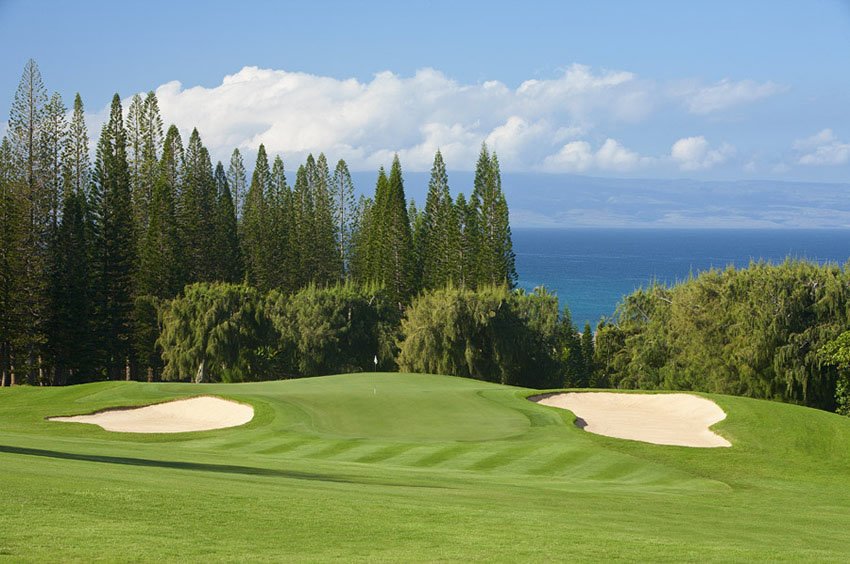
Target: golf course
point(411, 467)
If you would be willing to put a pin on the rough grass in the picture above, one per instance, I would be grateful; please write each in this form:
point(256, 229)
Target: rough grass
point(407, 467)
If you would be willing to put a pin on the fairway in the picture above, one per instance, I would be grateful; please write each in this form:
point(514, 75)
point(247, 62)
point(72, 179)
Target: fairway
point(411, 467)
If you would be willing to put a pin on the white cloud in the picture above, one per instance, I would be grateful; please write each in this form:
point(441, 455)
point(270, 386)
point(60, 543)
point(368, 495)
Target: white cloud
point(365, 122)
point(578, 156)
point(823, 148)
point(725, 94)
point(542, 124)
point(695, 153)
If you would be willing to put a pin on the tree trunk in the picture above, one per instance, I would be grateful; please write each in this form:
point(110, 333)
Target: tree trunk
point(201, 375)
point(150, 373)
point(127, 369)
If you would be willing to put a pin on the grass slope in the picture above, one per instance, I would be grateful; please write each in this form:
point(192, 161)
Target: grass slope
point(409, 467)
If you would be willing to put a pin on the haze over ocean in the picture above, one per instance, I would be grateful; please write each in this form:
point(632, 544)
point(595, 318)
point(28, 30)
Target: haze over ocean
point(592, 269)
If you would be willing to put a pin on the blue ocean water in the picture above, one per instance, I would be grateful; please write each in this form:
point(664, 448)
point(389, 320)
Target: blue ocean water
point(592, 269)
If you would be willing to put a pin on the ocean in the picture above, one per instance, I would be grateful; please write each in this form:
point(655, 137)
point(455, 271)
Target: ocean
point(592, 269)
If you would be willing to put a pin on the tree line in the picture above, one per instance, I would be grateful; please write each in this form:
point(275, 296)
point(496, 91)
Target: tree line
point(771, 331)
point(92, 254)
point(224, 332)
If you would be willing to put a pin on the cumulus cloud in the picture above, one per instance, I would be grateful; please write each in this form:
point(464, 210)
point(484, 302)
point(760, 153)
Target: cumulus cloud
point(726, 94)
point(822, 148)
point(695, 153)
point(552, 124)
point(579, 156)
point(365, 122)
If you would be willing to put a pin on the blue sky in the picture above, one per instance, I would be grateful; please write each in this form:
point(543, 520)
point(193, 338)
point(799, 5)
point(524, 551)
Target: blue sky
point(707, 90)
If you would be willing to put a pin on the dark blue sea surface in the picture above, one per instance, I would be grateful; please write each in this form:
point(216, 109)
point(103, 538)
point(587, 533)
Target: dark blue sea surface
point(592, 269)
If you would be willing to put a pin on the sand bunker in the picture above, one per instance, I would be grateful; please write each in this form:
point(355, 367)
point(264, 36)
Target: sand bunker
point(663, 419)
point(194, 414)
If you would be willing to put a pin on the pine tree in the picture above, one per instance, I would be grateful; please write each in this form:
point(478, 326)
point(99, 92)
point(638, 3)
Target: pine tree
point(196, 210)
point(113, 245)
point(25, 126)
point(76, 168)
point(469, 235)
point(254, 234)
point(54, 129)
point(361, 228)
point(417, 229)
point(71, 308)
point(397, 264)
point(228, 261)
point(13, 221)
point(440, 231)
point(134, 126)
point(342, 194)
point(161, 264)
point(281, 257)
point(237, 181)
point(495, 254)
point(304, 214)
point(587, 355)
point(146, 170)
point(325, 237)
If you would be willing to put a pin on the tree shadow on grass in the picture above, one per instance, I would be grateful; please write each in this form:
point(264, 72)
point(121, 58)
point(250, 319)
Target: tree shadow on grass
point(194, 466)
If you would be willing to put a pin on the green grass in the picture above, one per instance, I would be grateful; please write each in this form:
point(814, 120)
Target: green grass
point(406, 467)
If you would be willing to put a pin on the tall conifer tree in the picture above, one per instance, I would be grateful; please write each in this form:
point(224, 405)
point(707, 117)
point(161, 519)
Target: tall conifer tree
point(76, 167)
point(304, 214)
point(254, 235)
point(440, 232)
point(398, 264)
point(114, 245)
point(196, 210)
point(25, 126)
point(342, 194)
point(237, 180)
point(13, 221)
point(281, 260)
point(495, 254)
point(325, 249)
point(227, 258)
point(161, 263)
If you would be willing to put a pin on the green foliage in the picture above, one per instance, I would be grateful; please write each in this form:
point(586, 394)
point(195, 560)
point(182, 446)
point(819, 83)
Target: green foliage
point(837, 353)
point(488, 334)
point(215, 332)
point(145, 334)
point(335, 329)
point(753, 332)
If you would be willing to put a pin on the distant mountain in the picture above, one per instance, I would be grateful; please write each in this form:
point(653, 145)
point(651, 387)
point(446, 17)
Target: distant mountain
point(562, 200)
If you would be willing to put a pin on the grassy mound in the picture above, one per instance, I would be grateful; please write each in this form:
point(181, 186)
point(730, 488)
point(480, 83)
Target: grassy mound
point(401, 466)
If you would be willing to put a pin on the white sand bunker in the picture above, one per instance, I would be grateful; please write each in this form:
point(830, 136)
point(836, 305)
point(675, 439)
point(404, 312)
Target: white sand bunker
point(663, 419)
point(194, 414)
